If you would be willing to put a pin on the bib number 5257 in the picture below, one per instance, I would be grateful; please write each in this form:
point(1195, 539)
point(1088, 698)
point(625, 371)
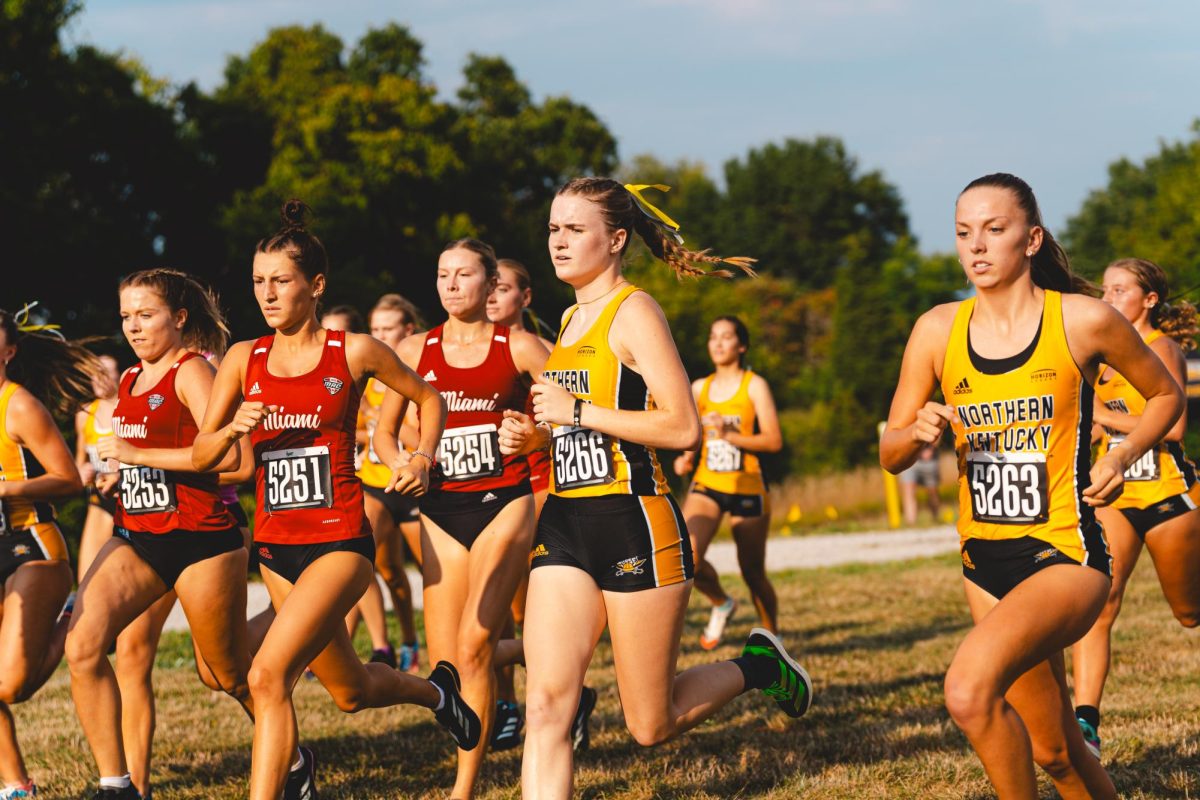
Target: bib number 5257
point(146, 490)
point(721, 456)
point(1008, 488)
point(298, 478)
point(582, 457)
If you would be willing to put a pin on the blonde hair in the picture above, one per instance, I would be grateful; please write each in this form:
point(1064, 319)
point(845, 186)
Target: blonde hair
point(1177, 320)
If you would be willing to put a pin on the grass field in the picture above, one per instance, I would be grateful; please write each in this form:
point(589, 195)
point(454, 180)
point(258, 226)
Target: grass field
point(876, 639)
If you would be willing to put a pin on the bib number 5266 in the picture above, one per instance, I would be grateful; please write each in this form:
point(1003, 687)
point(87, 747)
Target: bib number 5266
point(298, 478)
point(1008, 488)
point(582, 457)
point(146, 490)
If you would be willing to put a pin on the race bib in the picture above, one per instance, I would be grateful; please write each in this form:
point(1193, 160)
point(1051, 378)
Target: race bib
point(721, 456)
point(1145, 468)
point(582, 457)
point(94, 458)
point(471, 452)
point(146, 490)
point(299, 478)
point(1008, 488)
point(372, 456)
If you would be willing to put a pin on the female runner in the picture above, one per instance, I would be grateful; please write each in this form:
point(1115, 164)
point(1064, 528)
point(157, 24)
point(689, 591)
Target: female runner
point(35, 468)
point(1015, 365)
point(477, 518)
point(611, 544)
point(172, 532)
point(728, 479)
point(506, 306)
point(296, 395)
point(1159, 506)
point(92, 423)
point(394, 517)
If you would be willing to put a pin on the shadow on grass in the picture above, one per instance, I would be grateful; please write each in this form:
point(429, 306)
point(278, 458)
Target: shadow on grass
point(891, 638)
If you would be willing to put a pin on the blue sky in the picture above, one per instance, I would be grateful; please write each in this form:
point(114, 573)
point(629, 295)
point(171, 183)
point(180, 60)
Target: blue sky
point(931, 92)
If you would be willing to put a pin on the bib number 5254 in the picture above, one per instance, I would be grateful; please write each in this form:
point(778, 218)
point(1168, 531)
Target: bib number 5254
point(146, 490)
point(582, 457)
point(298, 478)
point(470, 452)
point(1008, 488)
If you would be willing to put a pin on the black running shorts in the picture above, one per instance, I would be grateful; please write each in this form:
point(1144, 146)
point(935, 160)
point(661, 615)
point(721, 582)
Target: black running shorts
point(464, 515)
point(625, 542)
point(735, 505)
point(998, 565)
point(289, 561)
point(402, 507)
point(170, 553)
point(1146, 519)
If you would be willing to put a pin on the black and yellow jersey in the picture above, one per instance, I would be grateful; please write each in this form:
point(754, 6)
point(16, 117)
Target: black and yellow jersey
point(18, 464)
point(1023, 436)
point(587, 463)
point(722, 466)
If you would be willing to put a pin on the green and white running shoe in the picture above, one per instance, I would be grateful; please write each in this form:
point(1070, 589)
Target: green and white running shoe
point(1090, 737)
point(792, 692)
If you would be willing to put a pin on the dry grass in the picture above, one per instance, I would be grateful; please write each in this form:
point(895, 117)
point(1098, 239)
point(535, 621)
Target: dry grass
point(877, 640)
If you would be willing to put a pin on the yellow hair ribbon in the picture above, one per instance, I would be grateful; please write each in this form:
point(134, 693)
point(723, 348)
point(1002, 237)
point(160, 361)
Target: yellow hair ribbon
point(648, 208)
point(21, 320)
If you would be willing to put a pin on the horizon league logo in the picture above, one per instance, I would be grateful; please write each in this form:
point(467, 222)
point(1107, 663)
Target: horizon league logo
point(333, 385)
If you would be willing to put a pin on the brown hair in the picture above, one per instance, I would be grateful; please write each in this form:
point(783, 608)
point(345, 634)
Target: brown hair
point(304, 249)
point(354, 319)
point(398, 302)
point(740, 331)
point(1051, 269)
point(204, 330)
point(56, 371)
point(623, 212)
point(519, 269)
point(1177, 320)
point(486, 253)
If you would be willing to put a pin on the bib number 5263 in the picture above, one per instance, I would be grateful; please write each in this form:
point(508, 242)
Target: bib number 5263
point(582, 457)
point(1008, 488)
point(298, 478)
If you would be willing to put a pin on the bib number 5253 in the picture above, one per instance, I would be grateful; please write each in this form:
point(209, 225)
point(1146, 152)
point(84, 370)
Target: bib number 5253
point(146, 490)
point(1008, 488)
point(298, 478)
point(582, 457)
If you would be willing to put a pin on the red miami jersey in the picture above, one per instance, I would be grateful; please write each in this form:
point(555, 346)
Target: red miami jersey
point(469, 458)
point(153, 500)
point(304, 478)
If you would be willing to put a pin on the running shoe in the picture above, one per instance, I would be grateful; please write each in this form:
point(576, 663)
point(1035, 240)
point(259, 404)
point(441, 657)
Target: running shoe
point(302, 782)
point(109, 793)
point(580, 735)
point(1090, 737)
point(384, 655)
point(27, 789)
point(506, 727)
point(408, 659)
point(716, 624)
point(455, 715)
point(792, 692)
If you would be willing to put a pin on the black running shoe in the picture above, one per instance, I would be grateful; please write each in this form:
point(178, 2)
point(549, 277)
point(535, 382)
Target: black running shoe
point(109, 793)
point(302, 783)
point(506, 727)
point(455, 715)
point(580, 736)
point(384, 655)
point(792, 692)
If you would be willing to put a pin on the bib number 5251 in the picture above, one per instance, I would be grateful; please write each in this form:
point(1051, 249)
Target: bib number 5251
point(298, 478)
point(582, 457)
point(1008, 488)
point(146, 490)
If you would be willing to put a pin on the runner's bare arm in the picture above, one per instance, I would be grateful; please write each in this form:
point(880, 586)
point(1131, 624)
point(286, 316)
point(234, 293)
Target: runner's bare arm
point(30, 425)
point(914, 419)
point(225, 421)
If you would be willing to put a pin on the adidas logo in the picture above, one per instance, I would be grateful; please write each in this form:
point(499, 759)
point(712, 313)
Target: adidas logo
point(254, 389)
point(963, 387)
point(429, 376)
point(489, 497)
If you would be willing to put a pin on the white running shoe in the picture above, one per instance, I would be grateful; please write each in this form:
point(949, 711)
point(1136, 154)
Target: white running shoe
point(716, 624)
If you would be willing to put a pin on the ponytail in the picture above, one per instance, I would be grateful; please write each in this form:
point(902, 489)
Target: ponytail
point(204, 330)
point(56, 371)
point(625, 208)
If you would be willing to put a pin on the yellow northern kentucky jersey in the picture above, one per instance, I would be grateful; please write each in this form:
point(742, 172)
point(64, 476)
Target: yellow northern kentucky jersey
point(722, 466)
point(92, 435)
point(587, 463)
point(18, 464)
point(1163, 471)
point(373, 472)
point(1023, 438)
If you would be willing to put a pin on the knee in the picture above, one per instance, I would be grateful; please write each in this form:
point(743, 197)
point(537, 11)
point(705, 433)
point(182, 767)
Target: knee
point(1054, 758)
point(84, 649)
point(135, 655)
point(266, 684)
point(548, 711)
point(14, 686)
point(649, 733)
point(475, 651)
point(227, 681)
point(350, 699)
point(969, 702)
point(1188, 617)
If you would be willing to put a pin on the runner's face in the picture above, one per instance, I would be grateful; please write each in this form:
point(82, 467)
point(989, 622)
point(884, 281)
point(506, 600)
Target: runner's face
point(723, 345)
point(581, 245)
point(390, 326)
point(285, 297)
point(104, 384)
point(993, 236)
point(336, 322)
point(1122, 292)
point(150, 327)
point(462, 283)
point(505, 305)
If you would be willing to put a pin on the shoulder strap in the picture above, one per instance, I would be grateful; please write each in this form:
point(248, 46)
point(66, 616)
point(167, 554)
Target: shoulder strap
point(6, 394)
